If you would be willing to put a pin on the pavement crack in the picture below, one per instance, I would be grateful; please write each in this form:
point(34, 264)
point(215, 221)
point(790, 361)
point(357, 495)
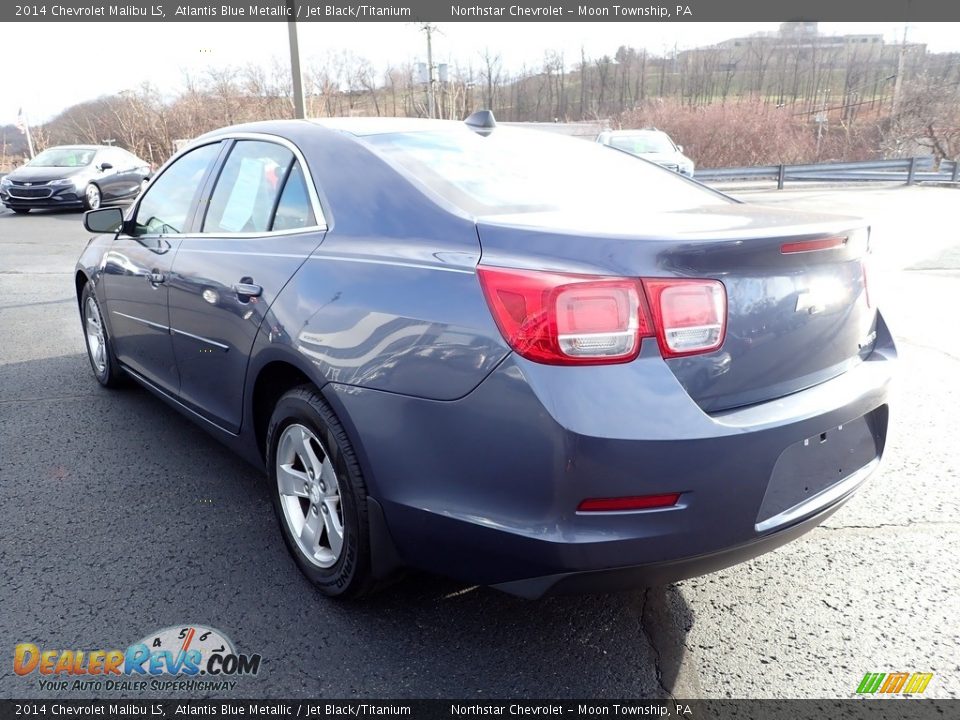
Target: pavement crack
point(645, 628)
point(914, 343)
point(901, 526)
point(14, 401)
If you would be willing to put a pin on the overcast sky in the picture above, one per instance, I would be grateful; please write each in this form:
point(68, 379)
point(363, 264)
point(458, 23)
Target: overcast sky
point(86, 60)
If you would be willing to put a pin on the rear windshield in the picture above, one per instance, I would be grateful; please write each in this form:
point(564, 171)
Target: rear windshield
point(522, 171)
point(643, 143)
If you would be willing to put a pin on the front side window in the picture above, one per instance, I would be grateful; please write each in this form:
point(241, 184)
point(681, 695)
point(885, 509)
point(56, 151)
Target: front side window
point(165, 208)
point(248, 187)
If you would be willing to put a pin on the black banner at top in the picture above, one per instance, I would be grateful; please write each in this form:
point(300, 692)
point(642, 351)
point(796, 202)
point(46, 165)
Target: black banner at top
point(479, 10)
point(548, 709)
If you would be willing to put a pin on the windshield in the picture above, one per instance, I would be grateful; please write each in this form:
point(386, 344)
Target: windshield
point(649, 142)
point(522, 171)
point(63, 157)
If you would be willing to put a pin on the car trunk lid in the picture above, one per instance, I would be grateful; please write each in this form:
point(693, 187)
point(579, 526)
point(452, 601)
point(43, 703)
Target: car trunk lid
point(797, 306)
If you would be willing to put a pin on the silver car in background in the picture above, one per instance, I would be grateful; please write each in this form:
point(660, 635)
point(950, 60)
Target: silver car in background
point(650, 144)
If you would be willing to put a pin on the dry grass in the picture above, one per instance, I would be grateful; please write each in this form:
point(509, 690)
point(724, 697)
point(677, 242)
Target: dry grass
point(753, 133)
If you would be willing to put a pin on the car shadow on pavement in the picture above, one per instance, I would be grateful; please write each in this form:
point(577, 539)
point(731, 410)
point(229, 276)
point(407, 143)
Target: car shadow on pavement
point(626, 644)
point(157, 524)
point(54, 213)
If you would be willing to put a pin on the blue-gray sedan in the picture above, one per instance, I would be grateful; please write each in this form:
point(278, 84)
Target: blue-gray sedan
point(513, 358)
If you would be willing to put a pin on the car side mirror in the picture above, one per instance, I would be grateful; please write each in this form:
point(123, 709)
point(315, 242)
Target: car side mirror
point(103, 220)
point(106, 166)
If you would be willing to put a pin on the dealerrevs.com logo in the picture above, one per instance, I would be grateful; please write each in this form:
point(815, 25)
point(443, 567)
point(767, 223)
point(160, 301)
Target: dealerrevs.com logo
point(187, 658)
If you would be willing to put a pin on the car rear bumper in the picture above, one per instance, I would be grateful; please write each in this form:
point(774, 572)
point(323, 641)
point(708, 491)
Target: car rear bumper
point(486, 488)
point(661, 573)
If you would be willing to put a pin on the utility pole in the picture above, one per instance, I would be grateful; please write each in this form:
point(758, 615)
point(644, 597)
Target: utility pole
point(821, 119)
point(898, 81)
point(428, 28)
point(299, 106)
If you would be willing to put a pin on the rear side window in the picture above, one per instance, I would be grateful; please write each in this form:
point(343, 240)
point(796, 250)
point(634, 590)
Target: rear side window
point(166, 206)
point(294, 209)
point(248, 188)
point(127, 159)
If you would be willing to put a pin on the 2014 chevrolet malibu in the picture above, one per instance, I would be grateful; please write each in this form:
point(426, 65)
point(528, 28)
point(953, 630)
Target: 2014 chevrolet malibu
point(513, 358)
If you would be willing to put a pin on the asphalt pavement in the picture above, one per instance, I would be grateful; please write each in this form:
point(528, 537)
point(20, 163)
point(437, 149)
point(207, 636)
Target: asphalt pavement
point(119, 517)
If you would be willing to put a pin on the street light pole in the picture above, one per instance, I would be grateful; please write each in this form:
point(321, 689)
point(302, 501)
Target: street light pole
point(299, 106)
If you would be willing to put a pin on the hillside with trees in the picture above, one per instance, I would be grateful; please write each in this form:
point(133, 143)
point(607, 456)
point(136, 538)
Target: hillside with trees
point(791, 96)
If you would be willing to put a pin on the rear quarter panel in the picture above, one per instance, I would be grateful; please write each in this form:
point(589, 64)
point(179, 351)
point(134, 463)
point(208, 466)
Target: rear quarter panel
point(390, 299)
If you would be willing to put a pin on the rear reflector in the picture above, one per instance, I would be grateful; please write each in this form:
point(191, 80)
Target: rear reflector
point(802, 246)
point(622, 504)
point(690, 315)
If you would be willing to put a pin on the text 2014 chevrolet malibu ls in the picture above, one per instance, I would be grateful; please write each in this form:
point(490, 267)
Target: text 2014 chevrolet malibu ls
point(516, 359)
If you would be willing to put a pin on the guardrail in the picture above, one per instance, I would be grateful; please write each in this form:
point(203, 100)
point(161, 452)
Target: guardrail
point(907, 170)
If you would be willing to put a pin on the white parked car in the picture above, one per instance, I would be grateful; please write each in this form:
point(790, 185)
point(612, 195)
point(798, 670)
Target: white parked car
point(650, 144)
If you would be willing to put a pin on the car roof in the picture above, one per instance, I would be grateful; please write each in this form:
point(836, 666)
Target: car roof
point(81, 147)
point(355, 126)
point(361, 126)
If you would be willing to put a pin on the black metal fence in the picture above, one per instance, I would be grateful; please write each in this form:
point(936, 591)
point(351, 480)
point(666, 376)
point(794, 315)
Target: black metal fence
point(907, 170)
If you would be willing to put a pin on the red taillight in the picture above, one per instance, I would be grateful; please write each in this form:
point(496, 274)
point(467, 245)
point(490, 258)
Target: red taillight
point(624, 504)
point(562, 319)
point(801, 246)
point(690, 315)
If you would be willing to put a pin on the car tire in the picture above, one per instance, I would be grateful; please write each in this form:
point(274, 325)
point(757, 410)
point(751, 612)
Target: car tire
point(91, 197)
point(21, 211)
point(319, 494)
point(103, 360)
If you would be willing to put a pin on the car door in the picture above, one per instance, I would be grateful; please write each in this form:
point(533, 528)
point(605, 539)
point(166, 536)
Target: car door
point(118, 175)
point(260, 224)
point(131, 173)
point(137, 267)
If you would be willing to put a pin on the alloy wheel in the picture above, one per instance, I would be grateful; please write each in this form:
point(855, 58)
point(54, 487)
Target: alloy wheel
point(309, 495)
point(93, 197)
point(96, 344)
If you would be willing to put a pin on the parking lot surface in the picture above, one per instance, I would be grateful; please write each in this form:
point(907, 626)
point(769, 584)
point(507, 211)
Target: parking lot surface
point(120, 517)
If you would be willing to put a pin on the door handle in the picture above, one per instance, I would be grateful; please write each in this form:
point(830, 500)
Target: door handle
point(156, 278)
point(247, 290)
